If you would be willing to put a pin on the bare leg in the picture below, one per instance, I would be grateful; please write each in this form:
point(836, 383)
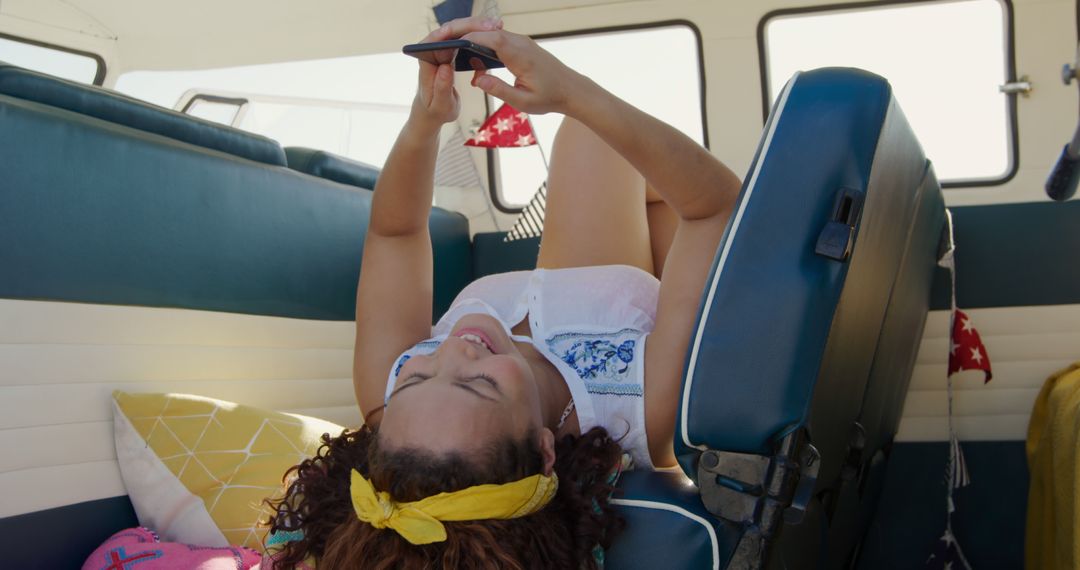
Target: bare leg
point(596, 212)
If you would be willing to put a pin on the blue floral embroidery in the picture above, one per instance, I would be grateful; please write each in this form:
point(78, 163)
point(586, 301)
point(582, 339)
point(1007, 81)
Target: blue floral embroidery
point(425, 347)
point(597, 357)
point(401, 362)
point(603, 361)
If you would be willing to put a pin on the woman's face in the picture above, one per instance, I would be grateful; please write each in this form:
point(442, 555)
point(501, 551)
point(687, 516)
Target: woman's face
point(475, 389)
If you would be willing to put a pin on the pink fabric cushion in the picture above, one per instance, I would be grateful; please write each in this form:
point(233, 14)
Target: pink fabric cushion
point(139, 549)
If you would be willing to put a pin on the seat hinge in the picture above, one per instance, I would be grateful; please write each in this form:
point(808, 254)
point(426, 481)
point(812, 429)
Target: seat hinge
point(757, 491)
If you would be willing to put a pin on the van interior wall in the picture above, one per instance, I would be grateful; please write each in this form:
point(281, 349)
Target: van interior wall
point(990, 512)
point(203, 35)
point(1002, 228)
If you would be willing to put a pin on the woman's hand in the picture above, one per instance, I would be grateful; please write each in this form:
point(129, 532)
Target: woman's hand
point(437, 101)
point(544, 84)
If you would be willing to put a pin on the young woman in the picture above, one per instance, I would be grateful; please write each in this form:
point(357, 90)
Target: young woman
point(491, 439)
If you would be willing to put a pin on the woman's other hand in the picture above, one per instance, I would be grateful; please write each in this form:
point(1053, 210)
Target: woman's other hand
point(543, 85)
point(437, 100)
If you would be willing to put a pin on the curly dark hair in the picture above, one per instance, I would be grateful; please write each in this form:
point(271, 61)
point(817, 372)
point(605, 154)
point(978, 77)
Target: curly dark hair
point(561, 535)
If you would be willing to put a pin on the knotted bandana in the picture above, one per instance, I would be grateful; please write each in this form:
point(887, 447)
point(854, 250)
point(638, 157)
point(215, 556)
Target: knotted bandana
point(420, 522)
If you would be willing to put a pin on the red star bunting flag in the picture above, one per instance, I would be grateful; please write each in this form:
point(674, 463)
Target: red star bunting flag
point(967, 351)
point(506, 127)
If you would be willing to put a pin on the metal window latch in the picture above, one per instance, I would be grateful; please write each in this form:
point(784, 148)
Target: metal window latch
point(1069, 72)
point(1021, 86)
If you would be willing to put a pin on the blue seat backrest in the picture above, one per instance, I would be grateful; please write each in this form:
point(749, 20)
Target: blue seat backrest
point(492, 254)
point(109, 214)
point(769, 320)
point(332, 167)
point(118, 108)
point(820, 285)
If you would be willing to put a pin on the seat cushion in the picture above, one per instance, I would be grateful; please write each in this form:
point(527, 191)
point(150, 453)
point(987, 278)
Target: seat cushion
point(667, 526)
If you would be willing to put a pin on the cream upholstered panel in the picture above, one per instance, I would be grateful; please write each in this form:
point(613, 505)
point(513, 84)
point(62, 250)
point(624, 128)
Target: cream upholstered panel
point(1025, 345)
point(60, 362)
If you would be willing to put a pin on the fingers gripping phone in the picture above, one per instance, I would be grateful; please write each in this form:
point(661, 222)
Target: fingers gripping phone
point(466, 57)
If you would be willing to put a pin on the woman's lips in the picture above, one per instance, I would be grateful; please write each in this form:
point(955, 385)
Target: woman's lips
point(472, 334)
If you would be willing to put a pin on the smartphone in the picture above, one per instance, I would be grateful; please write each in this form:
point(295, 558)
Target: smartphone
point(467, 52)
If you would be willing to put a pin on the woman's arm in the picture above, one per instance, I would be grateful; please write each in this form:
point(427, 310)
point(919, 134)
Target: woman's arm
point(394, 294)
point(692, 181)
point(700, 189)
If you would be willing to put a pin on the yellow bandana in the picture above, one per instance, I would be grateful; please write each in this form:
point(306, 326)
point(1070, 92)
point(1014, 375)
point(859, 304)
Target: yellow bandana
point(419, 522)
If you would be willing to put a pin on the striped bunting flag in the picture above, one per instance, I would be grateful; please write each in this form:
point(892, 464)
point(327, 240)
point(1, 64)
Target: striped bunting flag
point(530, 222)
point(454, 166)
point(958, 472)
point(947, 554)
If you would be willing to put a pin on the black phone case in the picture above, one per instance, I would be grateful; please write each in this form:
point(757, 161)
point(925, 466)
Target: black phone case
point(466, 50)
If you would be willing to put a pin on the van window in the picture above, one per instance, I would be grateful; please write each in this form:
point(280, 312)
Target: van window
point(351, 106)
point(638, 65)
point(945, 61)
point(224, 110)
point(68, 64)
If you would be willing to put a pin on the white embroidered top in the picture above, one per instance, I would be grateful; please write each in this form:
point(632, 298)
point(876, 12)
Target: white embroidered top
point(590, 322)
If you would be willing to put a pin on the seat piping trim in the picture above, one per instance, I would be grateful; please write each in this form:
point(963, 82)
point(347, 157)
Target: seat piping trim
point(678, 510)
point(735, 222)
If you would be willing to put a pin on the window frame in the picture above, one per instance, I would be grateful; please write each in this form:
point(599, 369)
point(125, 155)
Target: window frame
point(240, 102)
point(491, 157)
point(1012, 122)
point(99, 77)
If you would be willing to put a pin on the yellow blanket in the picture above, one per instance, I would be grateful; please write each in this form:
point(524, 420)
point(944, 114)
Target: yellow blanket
point(1053, 452)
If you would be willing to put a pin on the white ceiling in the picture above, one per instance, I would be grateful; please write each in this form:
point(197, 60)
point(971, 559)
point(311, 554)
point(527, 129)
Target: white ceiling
point(198, 34)
point(155, 34)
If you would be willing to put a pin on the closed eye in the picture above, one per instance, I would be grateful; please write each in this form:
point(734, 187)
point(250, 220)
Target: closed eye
point(465, 381)
point(475, 392)
point(487, 379)
point(408, 383)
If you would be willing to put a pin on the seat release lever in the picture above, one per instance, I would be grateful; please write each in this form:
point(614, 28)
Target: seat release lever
point(838, 236)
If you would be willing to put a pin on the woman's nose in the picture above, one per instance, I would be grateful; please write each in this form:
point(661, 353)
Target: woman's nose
point(462, 347)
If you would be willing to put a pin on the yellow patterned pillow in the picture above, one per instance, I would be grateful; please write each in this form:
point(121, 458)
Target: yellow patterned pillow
point(197, 469)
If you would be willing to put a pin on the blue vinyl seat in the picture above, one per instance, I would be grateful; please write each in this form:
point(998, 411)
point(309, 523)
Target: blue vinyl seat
point(332, 167)
point(809, 327)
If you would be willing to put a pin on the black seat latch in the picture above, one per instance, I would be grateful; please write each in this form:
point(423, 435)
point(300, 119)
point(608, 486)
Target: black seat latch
point(838, 236)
